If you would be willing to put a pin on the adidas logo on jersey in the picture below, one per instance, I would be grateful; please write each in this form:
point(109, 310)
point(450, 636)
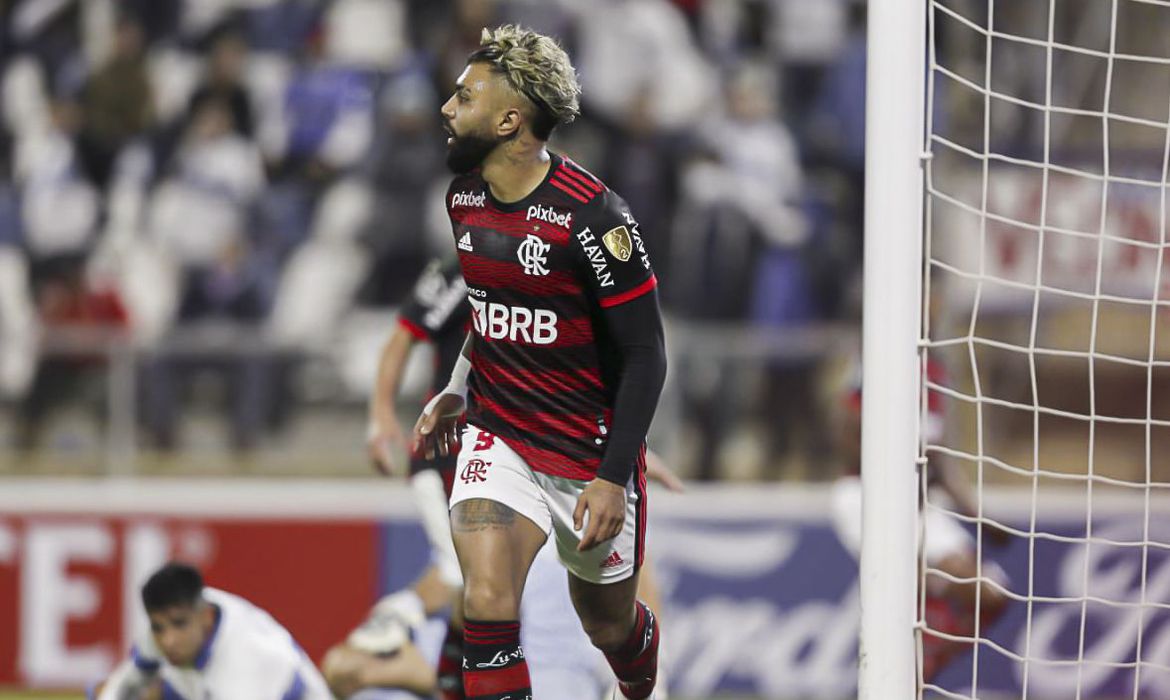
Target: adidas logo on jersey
point(468, 199)
point(549, 215)
point(465, 242)
point(614, 559)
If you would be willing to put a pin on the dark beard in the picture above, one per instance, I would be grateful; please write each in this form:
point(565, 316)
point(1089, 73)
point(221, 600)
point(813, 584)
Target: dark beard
point(467, 152)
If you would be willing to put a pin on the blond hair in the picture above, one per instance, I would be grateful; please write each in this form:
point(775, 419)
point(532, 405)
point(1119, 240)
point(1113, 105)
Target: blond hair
point(536, 67)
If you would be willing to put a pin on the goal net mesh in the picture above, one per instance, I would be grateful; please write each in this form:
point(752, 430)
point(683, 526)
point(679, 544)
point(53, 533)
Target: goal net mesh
point(1046, 350)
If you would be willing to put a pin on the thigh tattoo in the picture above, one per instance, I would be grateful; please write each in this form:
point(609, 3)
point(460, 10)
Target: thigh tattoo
point(480, 514)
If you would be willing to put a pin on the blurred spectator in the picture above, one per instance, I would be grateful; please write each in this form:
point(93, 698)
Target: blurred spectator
point(50, 31)
point(66, 301)
point(159, 18)
point(200, 209)
point(367, 34)
point(837, 129)
point(224, 81)
point(200, 217)
point(18, 325)
point(742, 197)
point(633, 50)
point(458, 35)
point(834, 144)
point(402, 166)
point(186, 84)
point(732, 30)
point(318, 129)
point(60, 207)
point(640, 160)
point(117, 102)
point(739, 220)
point(281, 26)
point(805, 37)
point(327, 115)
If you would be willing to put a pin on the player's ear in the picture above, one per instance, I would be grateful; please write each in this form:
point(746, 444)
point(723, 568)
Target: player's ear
point(509, 124)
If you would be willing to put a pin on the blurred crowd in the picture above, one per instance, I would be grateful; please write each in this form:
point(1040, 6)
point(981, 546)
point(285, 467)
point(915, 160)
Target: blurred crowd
point(255, 170)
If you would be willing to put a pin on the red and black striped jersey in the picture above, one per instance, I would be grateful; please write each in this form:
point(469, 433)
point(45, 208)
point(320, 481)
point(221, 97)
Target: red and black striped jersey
point(539, 272)
point(437, 312)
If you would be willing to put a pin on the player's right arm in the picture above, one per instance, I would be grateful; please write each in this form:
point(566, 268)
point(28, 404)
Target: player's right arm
point(437, 429)
point(129, 682)
point(385, 437)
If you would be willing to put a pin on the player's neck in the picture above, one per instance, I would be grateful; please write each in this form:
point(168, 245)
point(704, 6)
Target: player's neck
point(514, 170)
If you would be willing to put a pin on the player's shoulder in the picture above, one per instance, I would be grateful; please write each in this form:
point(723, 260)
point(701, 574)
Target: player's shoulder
point(582, 187)
point(248, 632)
point(595, 203)
point(226, 600)
point(241, 621)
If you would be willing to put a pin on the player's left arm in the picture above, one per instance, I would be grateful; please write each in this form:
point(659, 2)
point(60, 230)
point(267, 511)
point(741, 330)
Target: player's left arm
point(617, 267)
point(657, 470)
point(636, 327)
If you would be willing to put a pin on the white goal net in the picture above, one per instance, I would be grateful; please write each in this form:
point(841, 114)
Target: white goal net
point(1046, 351)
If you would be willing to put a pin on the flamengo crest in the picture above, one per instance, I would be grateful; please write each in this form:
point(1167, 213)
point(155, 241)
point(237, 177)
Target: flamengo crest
point(533, 255)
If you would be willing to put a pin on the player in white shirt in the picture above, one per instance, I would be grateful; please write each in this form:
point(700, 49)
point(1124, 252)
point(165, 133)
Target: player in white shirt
point(207, 643)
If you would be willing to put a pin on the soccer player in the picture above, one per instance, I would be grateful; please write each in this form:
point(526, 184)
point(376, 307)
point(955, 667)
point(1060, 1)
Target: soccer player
point(950, 602)
point(379, 655)
point(560, 375)
point(207, 643)
point(437, 313)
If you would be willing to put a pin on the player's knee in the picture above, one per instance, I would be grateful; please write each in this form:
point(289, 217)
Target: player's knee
point(342, 671)
point(606, 634)
point(490, 600)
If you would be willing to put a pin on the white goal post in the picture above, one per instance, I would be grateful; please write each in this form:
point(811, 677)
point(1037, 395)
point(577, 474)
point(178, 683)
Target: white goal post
point(1017, 226)
point(893, 272)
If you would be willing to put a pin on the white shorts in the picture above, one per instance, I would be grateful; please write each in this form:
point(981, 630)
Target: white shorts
point(944, 536)
point(488, 468)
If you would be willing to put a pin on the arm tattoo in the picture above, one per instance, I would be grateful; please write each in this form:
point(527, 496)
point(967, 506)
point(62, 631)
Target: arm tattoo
point(481, 514)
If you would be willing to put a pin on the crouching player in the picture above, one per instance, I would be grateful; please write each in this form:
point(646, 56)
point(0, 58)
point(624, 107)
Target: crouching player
point(207, 643)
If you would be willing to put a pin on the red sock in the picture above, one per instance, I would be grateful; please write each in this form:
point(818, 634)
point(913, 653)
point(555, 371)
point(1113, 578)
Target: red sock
point(493, 662)
point(635, 663)
point(450, 669)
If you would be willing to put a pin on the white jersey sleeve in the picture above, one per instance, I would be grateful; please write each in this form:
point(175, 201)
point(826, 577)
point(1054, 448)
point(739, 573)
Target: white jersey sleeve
point(133, 675)
point(125, 683)
point(255, 658)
